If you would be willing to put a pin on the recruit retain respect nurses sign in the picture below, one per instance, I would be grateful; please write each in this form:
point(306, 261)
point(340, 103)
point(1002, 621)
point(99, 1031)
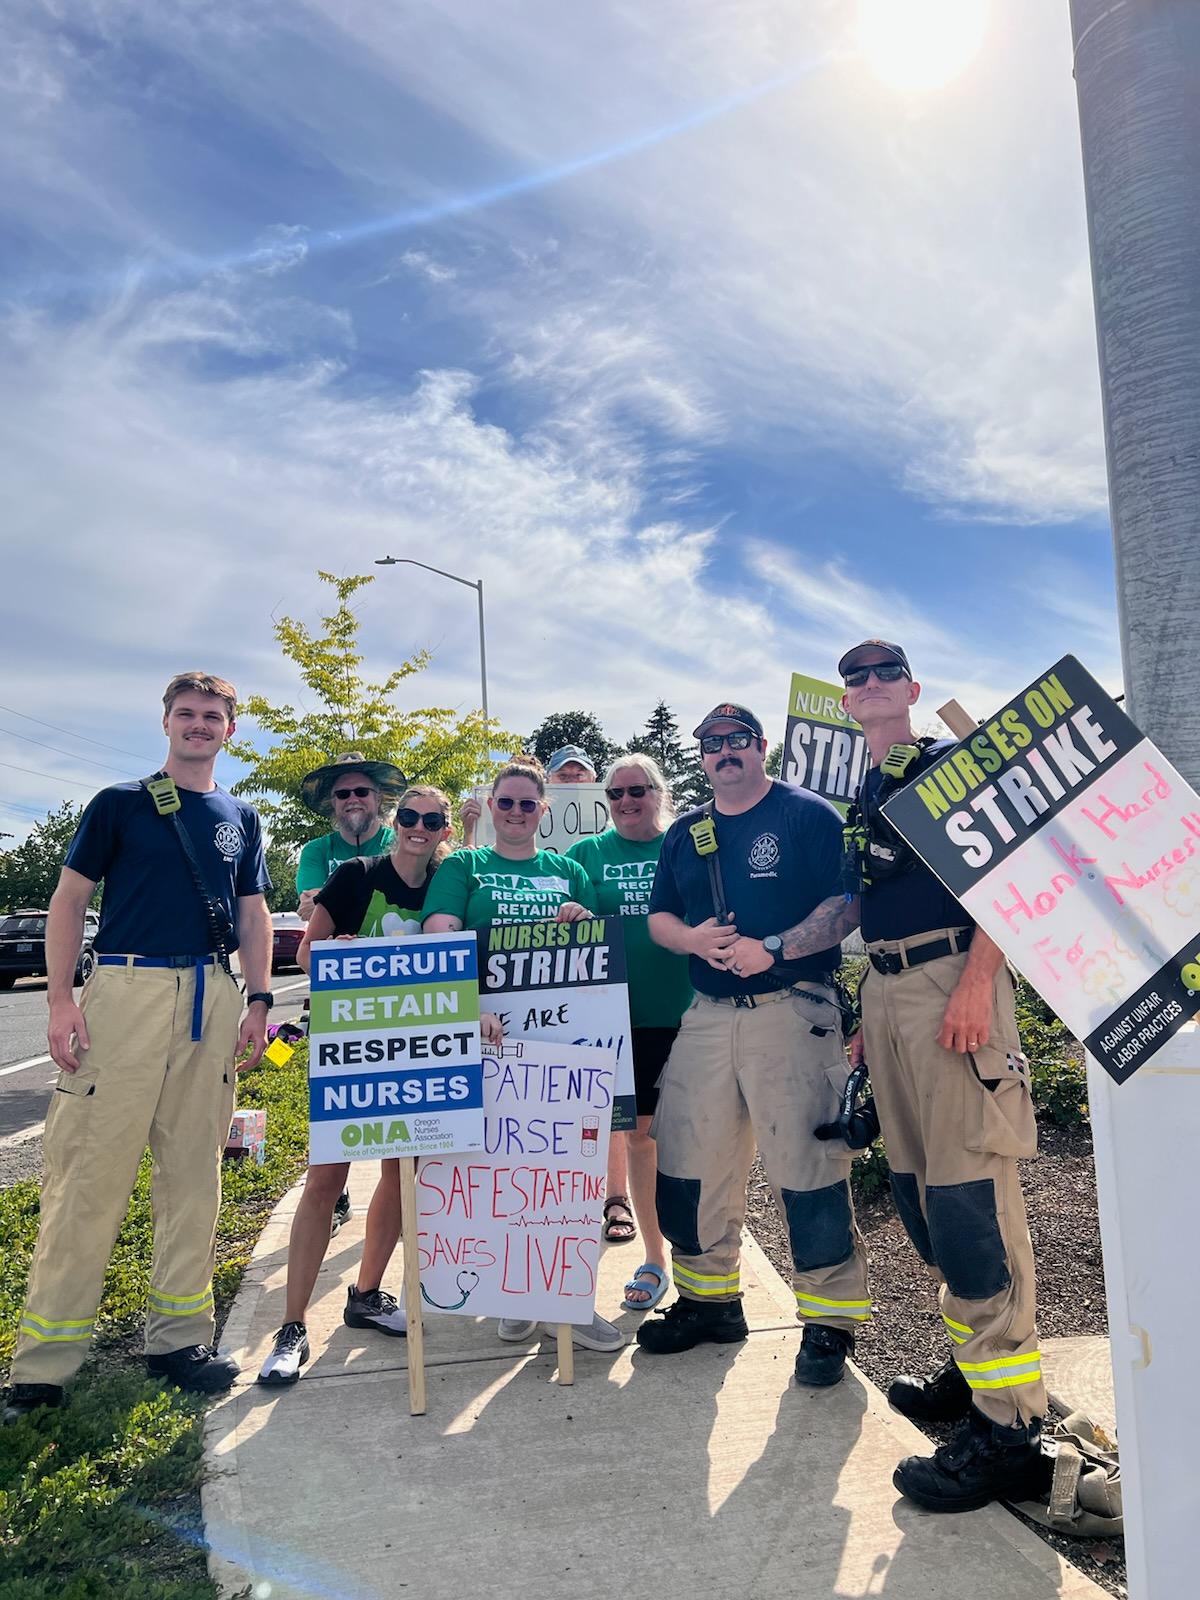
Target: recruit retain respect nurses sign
point(1075, 844)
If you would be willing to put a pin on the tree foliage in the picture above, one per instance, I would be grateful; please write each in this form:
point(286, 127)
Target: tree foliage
point(430, 744)
point(281, 864)
point(680, 764)
point(572, 727)
point(29, 873)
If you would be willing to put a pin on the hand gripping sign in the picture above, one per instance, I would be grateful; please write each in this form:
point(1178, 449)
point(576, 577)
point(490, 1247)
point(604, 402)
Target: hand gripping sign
point(1075, 844)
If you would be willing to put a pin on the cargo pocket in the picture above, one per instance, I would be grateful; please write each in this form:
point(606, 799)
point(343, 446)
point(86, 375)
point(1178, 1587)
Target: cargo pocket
point(998, 1115)
point(77, 1083)
point(818, 1019)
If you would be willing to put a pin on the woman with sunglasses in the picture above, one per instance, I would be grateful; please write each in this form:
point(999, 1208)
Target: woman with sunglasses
point(620, 864)
point(514, 881)
point(370, 897)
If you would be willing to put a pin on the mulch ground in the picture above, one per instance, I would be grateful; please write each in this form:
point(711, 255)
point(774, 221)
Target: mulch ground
point(906, 1333)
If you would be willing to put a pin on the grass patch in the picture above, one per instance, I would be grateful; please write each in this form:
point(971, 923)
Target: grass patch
point(99, 1501)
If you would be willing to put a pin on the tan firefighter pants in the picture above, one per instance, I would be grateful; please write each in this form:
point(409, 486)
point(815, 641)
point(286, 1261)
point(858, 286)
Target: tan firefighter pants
point(142, 1081)
point(769, 1073)
point(954, 1126)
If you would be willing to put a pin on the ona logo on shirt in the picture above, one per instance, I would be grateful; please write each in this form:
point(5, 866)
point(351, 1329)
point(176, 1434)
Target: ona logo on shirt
point(228, 840)
point(764, 852)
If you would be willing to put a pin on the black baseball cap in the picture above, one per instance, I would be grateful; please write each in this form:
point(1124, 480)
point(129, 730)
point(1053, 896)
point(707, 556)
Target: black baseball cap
point(893, 650)
point(727, 712)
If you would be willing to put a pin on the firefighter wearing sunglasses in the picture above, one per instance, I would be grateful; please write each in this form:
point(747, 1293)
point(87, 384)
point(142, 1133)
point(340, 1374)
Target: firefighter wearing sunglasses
point(952, 1093)
point(759, 1056)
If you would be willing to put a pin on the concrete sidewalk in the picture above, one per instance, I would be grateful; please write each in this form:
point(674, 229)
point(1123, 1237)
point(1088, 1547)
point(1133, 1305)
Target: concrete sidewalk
point(703, 1474)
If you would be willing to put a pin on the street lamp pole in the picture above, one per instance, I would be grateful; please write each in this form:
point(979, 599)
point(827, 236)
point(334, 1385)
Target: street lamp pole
point(477, 585)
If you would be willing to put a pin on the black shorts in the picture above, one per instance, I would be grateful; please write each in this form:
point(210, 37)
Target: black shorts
point(651, 1047)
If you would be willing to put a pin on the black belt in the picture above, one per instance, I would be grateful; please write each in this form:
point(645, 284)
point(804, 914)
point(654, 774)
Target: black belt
point(891, 961)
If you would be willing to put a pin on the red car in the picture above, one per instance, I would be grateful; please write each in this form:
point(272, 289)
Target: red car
point(289, 930)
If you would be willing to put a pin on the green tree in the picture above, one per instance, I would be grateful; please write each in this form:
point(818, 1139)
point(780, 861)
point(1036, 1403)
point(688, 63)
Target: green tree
point(430, 745)
point(572, 727)
point(281, 864)
point(29, 873)
point(680, 764)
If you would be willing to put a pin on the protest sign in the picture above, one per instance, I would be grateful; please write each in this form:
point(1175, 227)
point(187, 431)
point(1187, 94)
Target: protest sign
point(563, 981)
point(515, 1230)
point(394, 1066)
point(576, 810)
point(824, 749)
point(1075, 844)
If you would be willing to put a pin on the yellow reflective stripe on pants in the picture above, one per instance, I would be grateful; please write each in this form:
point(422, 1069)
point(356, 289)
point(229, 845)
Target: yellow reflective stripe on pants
point(28, 1329)
point(1007, 1372)
point(958, 1331)
point(44, 1322)
point(182, 1311)
point(812, 1305)
point(703, 1282)
point(191, 1302)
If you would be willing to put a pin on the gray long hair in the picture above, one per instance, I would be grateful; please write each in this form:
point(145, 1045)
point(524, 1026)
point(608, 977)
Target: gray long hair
point(653, 774)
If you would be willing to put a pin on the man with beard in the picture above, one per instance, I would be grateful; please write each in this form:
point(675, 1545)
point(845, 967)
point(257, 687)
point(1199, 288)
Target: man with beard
point(759, 1055)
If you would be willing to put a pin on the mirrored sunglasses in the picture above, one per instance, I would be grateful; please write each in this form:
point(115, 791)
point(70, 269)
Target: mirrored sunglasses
point(712, 742)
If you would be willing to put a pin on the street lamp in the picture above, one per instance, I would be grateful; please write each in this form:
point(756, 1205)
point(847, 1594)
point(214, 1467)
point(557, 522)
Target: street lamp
point(407, 561)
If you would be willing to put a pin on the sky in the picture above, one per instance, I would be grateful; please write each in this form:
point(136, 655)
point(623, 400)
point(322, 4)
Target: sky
point(713, 335)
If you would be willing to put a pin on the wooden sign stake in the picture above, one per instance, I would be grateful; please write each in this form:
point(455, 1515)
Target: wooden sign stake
point(412, 1286)
point(960, 721)
point(566, 1354)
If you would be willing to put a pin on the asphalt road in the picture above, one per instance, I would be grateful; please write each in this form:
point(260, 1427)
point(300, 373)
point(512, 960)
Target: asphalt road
point(27, 1075)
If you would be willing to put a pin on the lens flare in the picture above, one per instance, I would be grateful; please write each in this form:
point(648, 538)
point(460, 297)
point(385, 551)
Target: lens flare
point(918, 45)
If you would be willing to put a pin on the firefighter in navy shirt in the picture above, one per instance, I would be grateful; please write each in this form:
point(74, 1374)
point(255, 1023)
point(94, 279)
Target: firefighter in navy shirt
point(759, 1055)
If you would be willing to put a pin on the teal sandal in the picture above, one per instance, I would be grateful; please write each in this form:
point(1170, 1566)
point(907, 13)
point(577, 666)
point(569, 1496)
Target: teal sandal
point(661, 1285)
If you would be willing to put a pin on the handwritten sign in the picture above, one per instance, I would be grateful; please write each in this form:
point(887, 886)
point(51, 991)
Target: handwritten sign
point(1075, 844)
point(515, 1230)
point(394, 1065)
point(824, 749)
point(565, 982)
point(576, 810)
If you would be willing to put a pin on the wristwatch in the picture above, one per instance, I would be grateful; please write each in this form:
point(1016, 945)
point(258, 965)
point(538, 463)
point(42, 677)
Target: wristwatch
point(267, 998)
point(773, 945)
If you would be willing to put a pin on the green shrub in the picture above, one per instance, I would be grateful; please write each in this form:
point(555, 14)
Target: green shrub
point(870, 1176)
point(1057, 1073)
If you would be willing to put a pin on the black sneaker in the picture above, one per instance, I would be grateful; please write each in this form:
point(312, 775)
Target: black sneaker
point(981, 1461)
point(341, 1212)
point(377, 1309)
point(821, 1359)
point(288, 1355)
point(200, 1368)
point(26, 1397)
point(690, 1322)
point(946, 1397)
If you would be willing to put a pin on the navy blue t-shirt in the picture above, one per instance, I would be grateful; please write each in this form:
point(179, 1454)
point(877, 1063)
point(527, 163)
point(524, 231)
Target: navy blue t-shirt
point(915, 901)
point(779, 860)
point(150, 906)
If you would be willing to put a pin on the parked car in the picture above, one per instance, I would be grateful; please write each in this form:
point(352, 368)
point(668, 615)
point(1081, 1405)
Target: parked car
point(23, 946)
point(289, 930)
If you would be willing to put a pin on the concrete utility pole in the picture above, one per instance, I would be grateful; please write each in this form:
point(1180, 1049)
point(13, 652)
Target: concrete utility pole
point(1137, 71)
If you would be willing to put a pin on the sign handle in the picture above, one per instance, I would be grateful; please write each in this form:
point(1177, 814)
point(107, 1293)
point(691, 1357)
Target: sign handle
point(959, 720)
point(566, 1354)
point(412, 1286)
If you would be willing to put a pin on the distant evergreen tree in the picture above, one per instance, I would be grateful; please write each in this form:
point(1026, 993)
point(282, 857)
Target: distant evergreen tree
point(681, 766)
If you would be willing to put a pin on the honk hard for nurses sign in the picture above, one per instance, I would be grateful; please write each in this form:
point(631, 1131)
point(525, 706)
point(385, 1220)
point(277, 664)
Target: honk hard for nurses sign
point(1075, 844)
point(514, 1231)
point(394, 1065)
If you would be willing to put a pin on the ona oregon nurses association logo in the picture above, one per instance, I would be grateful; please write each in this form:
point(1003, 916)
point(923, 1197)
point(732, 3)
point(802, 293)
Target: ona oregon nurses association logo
point(228, 840)
point(764, 852)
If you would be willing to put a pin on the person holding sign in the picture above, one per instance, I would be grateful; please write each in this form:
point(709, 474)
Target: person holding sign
point(952, 1091)
point(759, 1055)
point(514, 881)
point(374, 896)
point(621, 863)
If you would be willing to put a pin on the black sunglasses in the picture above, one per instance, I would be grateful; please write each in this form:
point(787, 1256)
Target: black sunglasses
point(506, 803)
point(433, 820)
point(359, 793)
point(712, 742)
point(885, 672)
point(635, 791)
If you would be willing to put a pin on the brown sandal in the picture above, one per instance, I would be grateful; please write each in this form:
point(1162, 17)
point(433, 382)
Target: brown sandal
point(619, 1230)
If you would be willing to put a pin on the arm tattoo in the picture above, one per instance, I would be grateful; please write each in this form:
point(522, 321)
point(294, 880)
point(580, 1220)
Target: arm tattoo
point(821, 929)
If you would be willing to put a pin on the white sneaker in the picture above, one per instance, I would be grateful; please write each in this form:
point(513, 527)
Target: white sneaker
point(288, 1356)
point(377, 1309)
point(594, 1335)
point(513, 1331)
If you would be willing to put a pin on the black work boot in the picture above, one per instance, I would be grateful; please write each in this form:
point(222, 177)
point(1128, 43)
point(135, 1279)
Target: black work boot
point(821, 1359)
point(981, 1461)
point(691, 1322)
point(199, 1367)
point(26, 1397)
point(943, 1398)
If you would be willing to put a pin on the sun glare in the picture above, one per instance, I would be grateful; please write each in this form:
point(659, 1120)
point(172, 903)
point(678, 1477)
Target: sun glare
point(920, 44)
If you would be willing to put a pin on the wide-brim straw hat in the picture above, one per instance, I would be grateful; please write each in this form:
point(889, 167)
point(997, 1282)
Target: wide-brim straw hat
point(316, 787)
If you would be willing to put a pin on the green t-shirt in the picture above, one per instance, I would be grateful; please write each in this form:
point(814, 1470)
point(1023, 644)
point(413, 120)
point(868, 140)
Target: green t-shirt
point(480, 886)
point(320, 856)
point(621, 872)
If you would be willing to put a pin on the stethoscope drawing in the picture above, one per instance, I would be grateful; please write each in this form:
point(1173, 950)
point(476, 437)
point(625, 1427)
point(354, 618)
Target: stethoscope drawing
point(466, 1281)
